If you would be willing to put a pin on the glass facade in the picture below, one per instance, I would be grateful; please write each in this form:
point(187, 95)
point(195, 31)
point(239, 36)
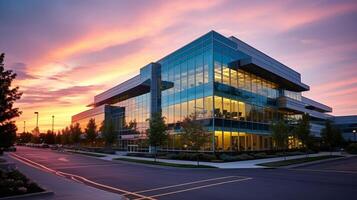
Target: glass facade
point(235, 106)
point(190, 70)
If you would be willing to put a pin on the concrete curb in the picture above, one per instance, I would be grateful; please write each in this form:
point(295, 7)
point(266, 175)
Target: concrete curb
point(312, 163)
point(36, 194)
point(163, 167)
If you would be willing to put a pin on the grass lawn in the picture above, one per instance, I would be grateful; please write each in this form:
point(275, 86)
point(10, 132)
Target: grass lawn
point(86, 153)
point(296, 161)
point(151, 162)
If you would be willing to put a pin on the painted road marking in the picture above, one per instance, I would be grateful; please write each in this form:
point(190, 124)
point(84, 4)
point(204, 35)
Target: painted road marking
point(198, 187)
point(75, 177)
point(63, 159)
point(188, 183)
point(325, 170)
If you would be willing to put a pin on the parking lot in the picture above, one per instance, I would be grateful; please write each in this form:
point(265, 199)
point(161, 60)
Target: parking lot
point(136, 181)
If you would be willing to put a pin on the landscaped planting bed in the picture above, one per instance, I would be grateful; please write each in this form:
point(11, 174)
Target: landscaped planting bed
point(217, 157)
point(296, 161)
point(15, 183)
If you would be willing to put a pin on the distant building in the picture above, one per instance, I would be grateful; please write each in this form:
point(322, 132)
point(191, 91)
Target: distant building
point(235, 90)
point(348, 126)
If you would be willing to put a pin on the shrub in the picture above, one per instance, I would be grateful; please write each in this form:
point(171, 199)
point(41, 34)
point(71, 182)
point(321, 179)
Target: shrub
point(33, 187)
point(260, 155)
point(228, 158)
point(295, 153)
point(352, 148)
point(15, 183)
point(191, 156)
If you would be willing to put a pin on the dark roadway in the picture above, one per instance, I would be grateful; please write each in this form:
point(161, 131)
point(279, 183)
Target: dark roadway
point(331, 180)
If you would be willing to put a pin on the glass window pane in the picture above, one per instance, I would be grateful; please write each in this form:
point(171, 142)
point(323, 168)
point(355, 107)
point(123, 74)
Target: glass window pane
point(234, 109)
point(226, 77)
point(226, 108)
point(248, 109)
point(241, 111)
point(199, 70)
point(218, 111)
point(208, 104)
point(241, 82)
point(183, 109)
point(191, 107)
point(234, 79)
point(217, 68)
point(199, 108)
point(178, 112)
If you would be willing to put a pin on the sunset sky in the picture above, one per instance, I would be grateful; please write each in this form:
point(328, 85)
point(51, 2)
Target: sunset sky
point(66, 51)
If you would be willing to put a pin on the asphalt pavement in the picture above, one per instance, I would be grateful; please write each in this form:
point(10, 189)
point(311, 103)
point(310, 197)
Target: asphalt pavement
point(331, 180)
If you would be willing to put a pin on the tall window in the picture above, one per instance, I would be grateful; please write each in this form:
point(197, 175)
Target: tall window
point(208, 105)
point(241, 110)
point(191, 73)
point(234, 78)
point(217, 68)
point(183, 76)
point(241, 82)
point(234, 109)
point(218, 106)
point(199, 108)
point(191, 107)
point(226, 108)
point(226, 75)
point(199, 70)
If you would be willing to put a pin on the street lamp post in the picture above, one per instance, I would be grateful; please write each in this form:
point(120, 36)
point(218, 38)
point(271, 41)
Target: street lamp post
point(354, 133)
point(53, 122)
point(36, 113)
point(24, 126)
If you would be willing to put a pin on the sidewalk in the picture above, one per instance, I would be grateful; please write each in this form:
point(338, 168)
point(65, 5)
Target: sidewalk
point(226, 165)
point(63, 188)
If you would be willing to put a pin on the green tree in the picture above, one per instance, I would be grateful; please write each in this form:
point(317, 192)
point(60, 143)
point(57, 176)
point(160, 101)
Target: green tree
point(194, 134)
point(8, 96)
point(156, 132)
point(58, 138)
point(280, 135)
point(302, 131)
point(108, 133)
point(42, 138)
point(331, 136)
point(91, 131)
point(50, 137)
point(76, 133)
point(25, 137)
point(65, 136)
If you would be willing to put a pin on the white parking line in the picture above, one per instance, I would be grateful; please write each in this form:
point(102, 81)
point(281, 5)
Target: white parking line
point(188, 183)
point(74, 177)
point(198, 187)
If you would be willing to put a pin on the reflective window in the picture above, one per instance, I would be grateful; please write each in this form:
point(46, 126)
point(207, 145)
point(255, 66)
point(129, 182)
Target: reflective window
point(208, 105)
point(226, 75)
point(218, 108)
point(191, 107)
point(199, 70)
point(226, 108)
point(199, 108)
point(234, 78)
point(241, 109)
point(234, 109)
